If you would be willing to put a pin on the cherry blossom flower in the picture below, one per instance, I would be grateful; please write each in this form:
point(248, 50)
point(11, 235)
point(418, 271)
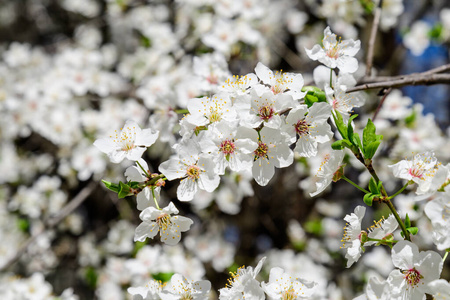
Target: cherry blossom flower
point(179, 288)
point(263, 109)
point(150, 291)
point(336, 53)
point(438, 211)
point(283, 286)
point(415, 270)
point(239, 85)
point(279, 82)
point(243, 285)
point(195, 168)
point(382, 228)
point(162, 221)
point(311, 127)
point(352, 235)
point(272, 152)
point(205, 111)
point(440, 288)
point(131, 143)
point(327, 170)
point(231, 146)
point(420, 170)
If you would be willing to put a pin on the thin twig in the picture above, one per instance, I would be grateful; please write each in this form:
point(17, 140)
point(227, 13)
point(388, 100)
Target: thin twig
point(439, 69)
point(287, 54)
point(52, 222)
point(386, 93)
point(373, 35)
point(407, 80)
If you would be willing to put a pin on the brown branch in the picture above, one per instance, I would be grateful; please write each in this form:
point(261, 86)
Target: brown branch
point(386, 93)
point(429, 79)
point(373, 35)
point(439, 69)
point(52, 222)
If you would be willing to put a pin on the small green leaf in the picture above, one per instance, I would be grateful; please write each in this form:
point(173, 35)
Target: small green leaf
point(23, 224)
point(413, 230)
point(342, 128)
point(111, 186)
point(369, 133)
point(310, 100)
point(368, 199)
point(124, 190)
point(373, 186)
point(357, 140)
point(91, 276)
point(370, 150)
point(407, 221)
point(340, 144)
point(164, 277)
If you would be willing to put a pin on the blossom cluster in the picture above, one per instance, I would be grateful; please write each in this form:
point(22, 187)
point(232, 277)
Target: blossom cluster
point(162, 70)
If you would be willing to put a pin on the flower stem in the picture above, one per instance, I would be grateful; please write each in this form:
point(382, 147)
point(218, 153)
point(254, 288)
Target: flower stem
point(445, 255)
point(399, 191)
point(142, 168)
point(182, 111)
point(355, 185)
point(368, 164)
point(154, 198)
point(331, 78)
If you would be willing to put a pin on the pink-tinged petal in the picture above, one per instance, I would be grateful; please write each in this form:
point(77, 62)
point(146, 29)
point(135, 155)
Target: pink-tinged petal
point(347, 64)
point(105, 145)
point(172, 169)
point(186, 190)
point(145, 230)
point(315, 53)
point(263, 171)
point(135, 153)
point(146, 137)
point(264, 73)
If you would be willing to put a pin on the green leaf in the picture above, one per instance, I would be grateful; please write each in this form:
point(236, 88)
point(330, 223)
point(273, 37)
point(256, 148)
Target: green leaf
point(164, 277)
point(368, 199)
point(379, 185)
point(342, 128)
point(369, 135)
point(124, 190)
point(407, 221)
point(373, 186)
point(91, 277)
point(340, 144)
point(413, 230)
point(357, 141)
point(409, 120)
point(370, 150)
point(111, 186)
point(23, 224)
point(310, 100)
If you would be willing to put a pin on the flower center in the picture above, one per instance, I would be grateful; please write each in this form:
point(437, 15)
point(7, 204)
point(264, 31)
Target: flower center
point(193, 172)
point(227, 147)
point(163, 221)
point(412, 277)
point(266, 112)
point(215, 116)
point(416, 172)
point(302, 128)
point(186, 296)
point(262, 150)
point(288, 294)
point(333, 52)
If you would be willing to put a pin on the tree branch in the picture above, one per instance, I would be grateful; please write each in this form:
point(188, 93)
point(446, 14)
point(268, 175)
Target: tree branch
point(373, 35)
point(427, 79)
